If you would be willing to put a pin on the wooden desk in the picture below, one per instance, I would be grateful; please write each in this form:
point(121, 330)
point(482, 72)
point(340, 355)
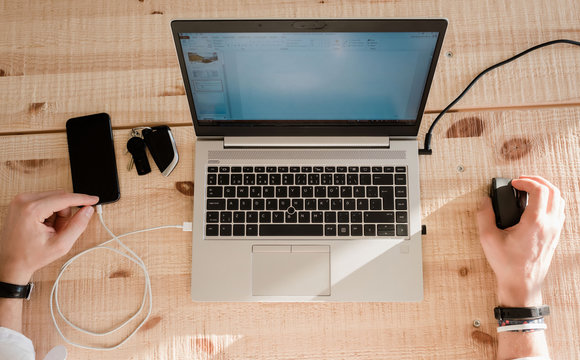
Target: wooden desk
point(60, 59)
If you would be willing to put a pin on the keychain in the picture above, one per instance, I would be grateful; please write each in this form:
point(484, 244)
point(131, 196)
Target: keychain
point(161, 144)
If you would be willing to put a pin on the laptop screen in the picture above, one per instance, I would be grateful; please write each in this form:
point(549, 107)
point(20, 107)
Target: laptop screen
point(307, 76)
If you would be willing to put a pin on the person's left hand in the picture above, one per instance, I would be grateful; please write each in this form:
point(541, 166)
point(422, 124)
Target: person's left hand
point(39, 229)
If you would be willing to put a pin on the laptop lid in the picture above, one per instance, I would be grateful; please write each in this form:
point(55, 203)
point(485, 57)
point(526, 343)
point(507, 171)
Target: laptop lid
point(307, 77)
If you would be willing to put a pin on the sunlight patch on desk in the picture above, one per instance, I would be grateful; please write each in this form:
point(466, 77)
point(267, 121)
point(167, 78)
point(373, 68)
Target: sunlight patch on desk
point(198, 347)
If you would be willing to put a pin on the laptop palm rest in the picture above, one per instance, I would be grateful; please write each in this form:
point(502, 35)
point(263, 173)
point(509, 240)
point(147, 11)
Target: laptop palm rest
point(290, 270)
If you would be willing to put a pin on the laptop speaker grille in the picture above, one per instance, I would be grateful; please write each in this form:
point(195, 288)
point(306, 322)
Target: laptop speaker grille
point(306, 155)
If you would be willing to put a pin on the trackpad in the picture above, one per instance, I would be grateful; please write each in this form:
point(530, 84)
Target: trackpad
point(285, 270)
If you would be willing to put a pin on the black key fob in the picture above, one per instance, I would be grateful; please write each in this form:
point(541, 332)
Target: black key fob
point(508, 202)
point(136, 147)
point(161, 144)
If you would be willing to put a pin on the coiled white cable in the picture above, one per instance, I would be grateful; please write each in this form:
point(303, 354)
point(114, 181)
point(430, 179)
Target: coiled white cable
point(132, 256)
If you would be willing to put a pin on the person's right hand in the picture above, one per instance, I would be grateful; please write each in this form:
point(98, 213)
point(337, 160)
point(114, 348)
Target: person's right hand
point(521, 255)
point(38, 229)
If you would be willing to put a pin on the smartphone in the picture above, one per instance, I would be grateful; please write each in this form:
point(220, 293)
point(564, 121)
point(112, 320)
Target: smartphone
point(92, 157)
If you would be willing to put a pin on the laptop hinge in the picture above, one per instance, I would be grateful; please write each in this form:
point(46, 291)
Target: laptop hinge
point(306, 142)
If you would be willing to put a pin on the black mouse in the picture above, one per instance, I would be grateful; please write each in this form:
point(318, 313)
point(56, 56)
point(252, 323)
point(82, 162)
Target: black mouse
point(508, 202)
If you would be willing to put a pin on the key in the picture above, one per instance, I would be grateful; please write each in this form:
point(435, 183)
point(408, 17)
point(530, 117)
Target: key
point(136, 146)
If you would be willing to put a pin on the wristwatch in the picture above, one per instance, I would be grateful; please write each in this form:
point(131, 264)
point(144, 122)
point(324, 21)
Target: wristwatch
point(523, 313)
point(12, 291)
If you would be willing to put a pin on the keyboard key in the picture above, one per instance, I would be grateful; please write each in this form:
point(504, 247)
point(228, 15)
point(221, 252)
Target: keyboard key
point(226, 217)
point(389, 169)
point(212, 169)
point(298, 204)
point(346, 191)
point(259, 169)
point(341, 169)
point(211, 230)
point(400, 191)
point(281, 191)
point(370, 230)
point(239, 230)
point(275, 179)
point(330, 230)
point(306, 169)
point(400, 169)
point(365, 179)
point(277, 217)
point(377, 169)
point(376, 204)
point(236, 169)
point(252, 217)
point(233, 204)
point(400, 179)
point(282, 169)
point(229, 191)
point(329, 169)
point(336, 204)
point(349, 204)
point(283, 204)
point(262, 179)
point(291, 217)
point(291, 230)
point(356, 217)
point(214, 191)
point(307, 191)
point(294, 191)
point(359, 191)
point(310, 204)
point(318, 169)
point(270, 169)
point(326, 179)
point(224, 169)
point(294, 169)
point(268, 191)
point(352, 179)
point(245, 204)
point(343, 230)
point(265, 217)
point(216, 204)
point(212, 217)
point(258, 204)
point(333, 191)
point(339, 179)
point(329, 217)
point(382, 179)
point(303, 217)
point(365, 169)
point(271, 204)
point(300, 179)
point(379, 217)
point(255, 191)
point(223, 179)
point(402, 230)
point(239, 217)
point(353, 169)
point(386, 192)
point(249, 179)
point(317, 216)
point(343, 217)
point(287, 179)
point(386, 230)
point(401, 216)
point(211, 179)
point(356, 230)
point(320, 191)
point(251, 230)
point(372, 191)
point(362, 204)
point(248, 169)
point(401, 204)
point(225, 230)
point(323, 204)
point(313, 179)
point(242, 191)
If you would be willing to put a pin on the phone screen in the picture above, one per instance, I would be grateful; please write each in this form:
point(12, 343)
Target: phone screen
point(92, 157)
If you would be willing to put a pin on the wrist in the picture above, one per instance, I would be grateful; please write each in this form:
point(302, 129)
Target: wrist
point(13, 274)
point(520, 296)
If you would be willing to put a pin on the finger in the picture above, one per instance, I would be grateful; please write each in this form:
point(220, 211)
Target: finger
point(555, 196)
point(538, 195)
point(65, 213)
point(62, 200)
point(486, 220)
point(67, 236)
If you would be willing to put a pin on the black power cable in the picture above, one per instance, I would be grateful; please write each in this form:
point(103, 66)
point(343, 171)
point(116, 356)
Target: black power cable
point(427, 147)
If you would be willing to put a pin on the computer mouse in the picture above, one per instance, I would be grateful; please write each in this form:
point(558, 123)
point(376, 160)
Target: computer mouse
point(508, 202)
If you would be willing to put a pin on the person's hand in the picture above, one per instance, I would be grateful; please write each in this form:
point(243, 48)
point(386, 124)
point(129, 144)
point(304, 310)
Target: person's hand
point(39, 229)
point(520, 255)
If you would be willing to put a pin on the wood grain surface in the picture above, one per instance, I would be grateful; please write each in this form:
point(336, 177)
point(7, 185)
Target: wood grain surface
point(60, 59)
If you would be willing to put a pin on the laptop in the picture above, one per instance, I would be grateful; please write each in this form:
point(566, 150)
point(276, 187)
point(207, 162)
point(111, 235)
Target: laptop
point(306, 160)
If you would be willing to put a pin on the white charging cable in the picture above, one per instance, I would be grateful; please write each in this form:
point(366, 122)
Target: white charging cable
point(130, 255)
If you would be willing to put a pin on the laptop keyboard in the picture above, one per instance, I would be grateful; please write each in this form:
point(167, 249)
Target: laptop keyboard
point(335, 201)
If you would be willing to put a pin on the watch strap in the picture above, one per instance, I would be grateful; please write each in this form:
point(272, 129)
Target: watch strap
point(12, 291)
point(514, 313)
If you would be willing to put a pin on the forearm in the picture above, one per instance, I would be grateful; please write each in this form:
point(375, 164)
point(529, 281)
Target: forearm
point(11, 314)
